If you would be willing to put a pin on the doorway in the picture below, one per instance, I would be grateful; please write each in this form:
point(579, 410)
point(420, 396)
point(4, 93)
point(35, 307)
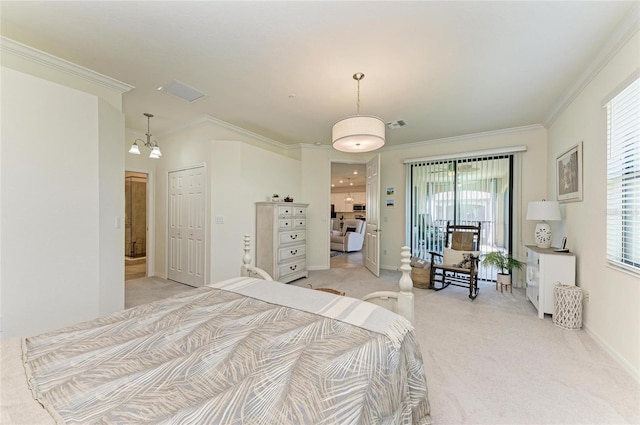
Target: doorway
point(135, 239)
point(348, 202)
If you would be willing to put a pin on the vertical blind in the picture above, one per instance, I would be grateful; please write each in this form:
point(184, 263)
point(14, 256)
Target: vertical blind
point(460, 191)
point(623, 178)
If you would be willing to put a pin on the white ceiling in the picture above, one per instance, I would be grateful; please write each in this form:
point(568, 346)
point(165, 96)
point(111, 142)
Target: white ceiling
point(346, 175)
point(284, 69)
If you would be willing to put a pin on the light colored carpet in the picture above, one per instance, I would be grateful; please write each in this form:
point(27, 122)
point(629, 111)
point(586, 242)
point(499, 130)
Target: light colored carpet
point(489, 361)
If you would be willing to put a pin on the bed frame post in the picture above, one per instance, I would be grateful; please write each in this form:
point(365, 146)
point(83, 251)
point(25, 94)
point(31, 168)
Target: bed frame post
point(400, 302)
point(247, 270)
point(405, 296)
point(246, 258)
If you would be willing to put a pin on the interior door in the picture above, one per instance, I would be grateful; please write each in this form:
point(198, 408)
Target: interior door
point(372, 235)
point(187, 226)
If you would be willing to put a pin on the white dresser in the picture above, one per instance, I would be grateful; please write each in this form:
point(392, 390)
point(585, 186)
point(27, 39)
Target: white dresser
point(281, 240)
point(545, 268)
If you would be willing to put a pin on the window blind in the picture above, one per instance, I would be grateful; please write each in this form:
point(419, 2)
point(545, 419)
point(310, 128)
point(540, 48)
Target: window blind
point(623, 178)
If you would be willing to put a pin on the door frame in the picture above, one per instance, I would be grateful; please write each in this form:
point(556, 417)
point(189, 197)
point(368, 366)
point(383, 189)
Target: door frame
point(151, 218)
point(373, 229)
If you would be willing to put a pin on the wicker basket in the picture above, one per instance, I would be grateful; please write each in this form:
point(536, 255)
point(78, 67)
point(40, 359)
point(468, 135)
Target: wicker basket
point(421, 277)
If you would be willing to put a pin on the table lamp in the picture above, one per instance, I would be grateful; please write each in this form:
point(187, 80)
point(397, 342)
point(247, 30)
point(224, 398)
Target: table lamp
point(543, 210)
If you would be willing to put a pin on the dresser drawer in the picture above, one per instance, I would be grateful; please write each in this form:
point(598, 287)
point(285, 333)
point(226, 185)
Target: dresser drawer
point(285, 224)
point(290, 268)
point(284, 212)
point(300, 211)
point(299, 223)
point(297, 251)
point(289, 237)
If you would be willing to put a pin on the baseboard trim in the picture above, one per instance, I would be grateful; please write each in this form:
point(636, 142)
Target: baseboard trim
point(635, 373)
point(318, 268)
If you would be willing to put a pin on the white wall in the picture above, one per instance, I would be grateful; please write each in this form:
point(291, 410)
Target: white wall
point(240, 174)
point(530, 184)
point(56, 248)
point(111, 208)
point(316, 174)
point(316, 191)
point(612, 315)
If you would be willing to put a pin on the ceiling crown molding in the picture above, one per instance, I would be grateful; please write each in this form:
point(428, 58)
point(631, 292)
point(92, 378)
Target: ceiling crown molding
point(11, 46)
point(466, 137)
point(212, 120)
point(623, 32)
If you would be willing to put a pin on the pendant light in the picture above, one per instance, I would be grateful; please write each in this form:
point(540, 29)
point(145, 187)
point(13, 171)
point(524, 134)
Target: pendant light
point(349, 199)
point(155, 149)
point(358, 133)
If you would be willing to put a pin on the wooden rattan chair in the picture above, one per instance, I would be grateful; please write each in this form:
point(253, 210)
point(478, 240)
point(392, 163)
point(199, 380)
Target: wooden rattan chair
point(458, 265)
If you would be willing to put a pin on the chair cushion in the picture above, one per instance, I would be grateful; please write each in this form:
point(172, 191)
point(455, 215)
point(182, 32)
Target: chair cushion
point(454, 257)
point(352, 225)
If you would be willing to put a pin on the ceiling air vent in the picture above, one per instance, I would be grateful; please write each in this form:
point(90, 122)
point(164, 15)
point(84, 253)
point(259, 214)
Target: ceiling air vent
point(182, 91)
point(396, 124)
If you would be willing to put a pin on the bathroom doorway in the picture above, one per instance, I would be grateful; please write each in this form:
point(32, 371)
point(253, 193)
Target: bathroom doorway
point(135, 238)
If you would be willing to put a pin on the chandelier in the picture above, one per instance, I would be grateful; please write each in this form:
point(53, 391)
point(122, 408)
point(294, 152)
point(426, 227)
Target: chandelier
point(358, 133)
point(349, 199)
point(155, 150)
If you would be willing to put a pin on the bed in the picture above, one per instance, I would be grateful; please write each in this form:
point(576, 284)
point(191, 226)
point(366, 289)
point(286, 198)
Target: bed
point(247, 350)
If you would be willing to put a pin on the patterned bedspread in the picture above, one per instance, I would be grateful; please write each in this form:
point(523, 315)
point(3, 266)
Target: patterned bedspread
point(225, 356)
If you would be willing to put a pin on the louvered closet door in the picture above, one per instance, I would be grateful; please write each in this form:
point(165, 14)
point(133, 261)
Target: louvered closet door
point(187, 226)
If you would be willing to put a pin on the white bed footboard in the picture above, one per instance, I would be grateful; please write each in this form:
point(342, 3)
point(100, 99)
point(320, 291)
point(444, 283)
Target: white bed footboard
point(402, 301)
point(247, 269)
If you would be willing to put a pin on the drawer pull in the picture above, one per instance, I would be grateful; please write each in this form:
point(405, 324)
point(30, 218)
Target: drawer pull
point(293, 236)
point(292, 268)
point(294, 251)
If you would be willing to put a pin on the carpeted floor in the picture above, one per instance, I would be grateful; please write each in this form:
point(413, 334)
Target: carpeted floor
point(488, 361)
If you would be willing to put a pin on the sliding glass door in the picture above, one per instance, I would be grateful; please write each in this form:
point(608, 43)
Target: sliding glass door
point(461, 191)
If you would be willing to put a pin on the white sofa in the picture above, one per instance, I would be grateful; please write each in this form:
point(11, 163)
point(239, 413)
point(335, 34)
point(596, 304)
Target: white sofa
point(351, 238)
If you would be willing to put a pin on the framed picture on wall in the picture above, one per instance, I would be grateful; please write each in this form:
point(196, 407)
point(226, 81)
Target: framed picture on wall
point(569, 175)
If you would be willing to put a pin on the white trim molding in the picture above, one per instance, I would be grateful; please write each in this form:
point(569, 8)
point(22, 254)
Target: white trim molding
point(463, 137)
point(202, 119)
point(11, 46)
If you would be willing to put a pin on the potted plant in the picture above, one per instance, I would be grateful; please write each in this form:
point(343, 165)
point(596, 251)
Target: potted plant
point(505, 263)
point(275, 198)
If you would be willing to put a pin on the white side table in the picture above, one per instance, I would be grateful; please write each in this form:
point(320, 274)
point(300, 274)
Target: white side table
point(567, 306)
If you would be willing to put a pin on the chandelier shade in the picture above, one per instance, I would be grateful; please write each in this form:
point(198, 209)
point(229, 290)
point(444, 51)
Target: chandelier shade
point(358, 133)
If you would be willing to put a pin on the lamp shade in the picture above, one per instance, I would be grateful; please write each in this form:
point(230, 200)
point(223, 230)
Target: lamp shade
point(134, 149)
point(359, 133)
point(544, 210)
